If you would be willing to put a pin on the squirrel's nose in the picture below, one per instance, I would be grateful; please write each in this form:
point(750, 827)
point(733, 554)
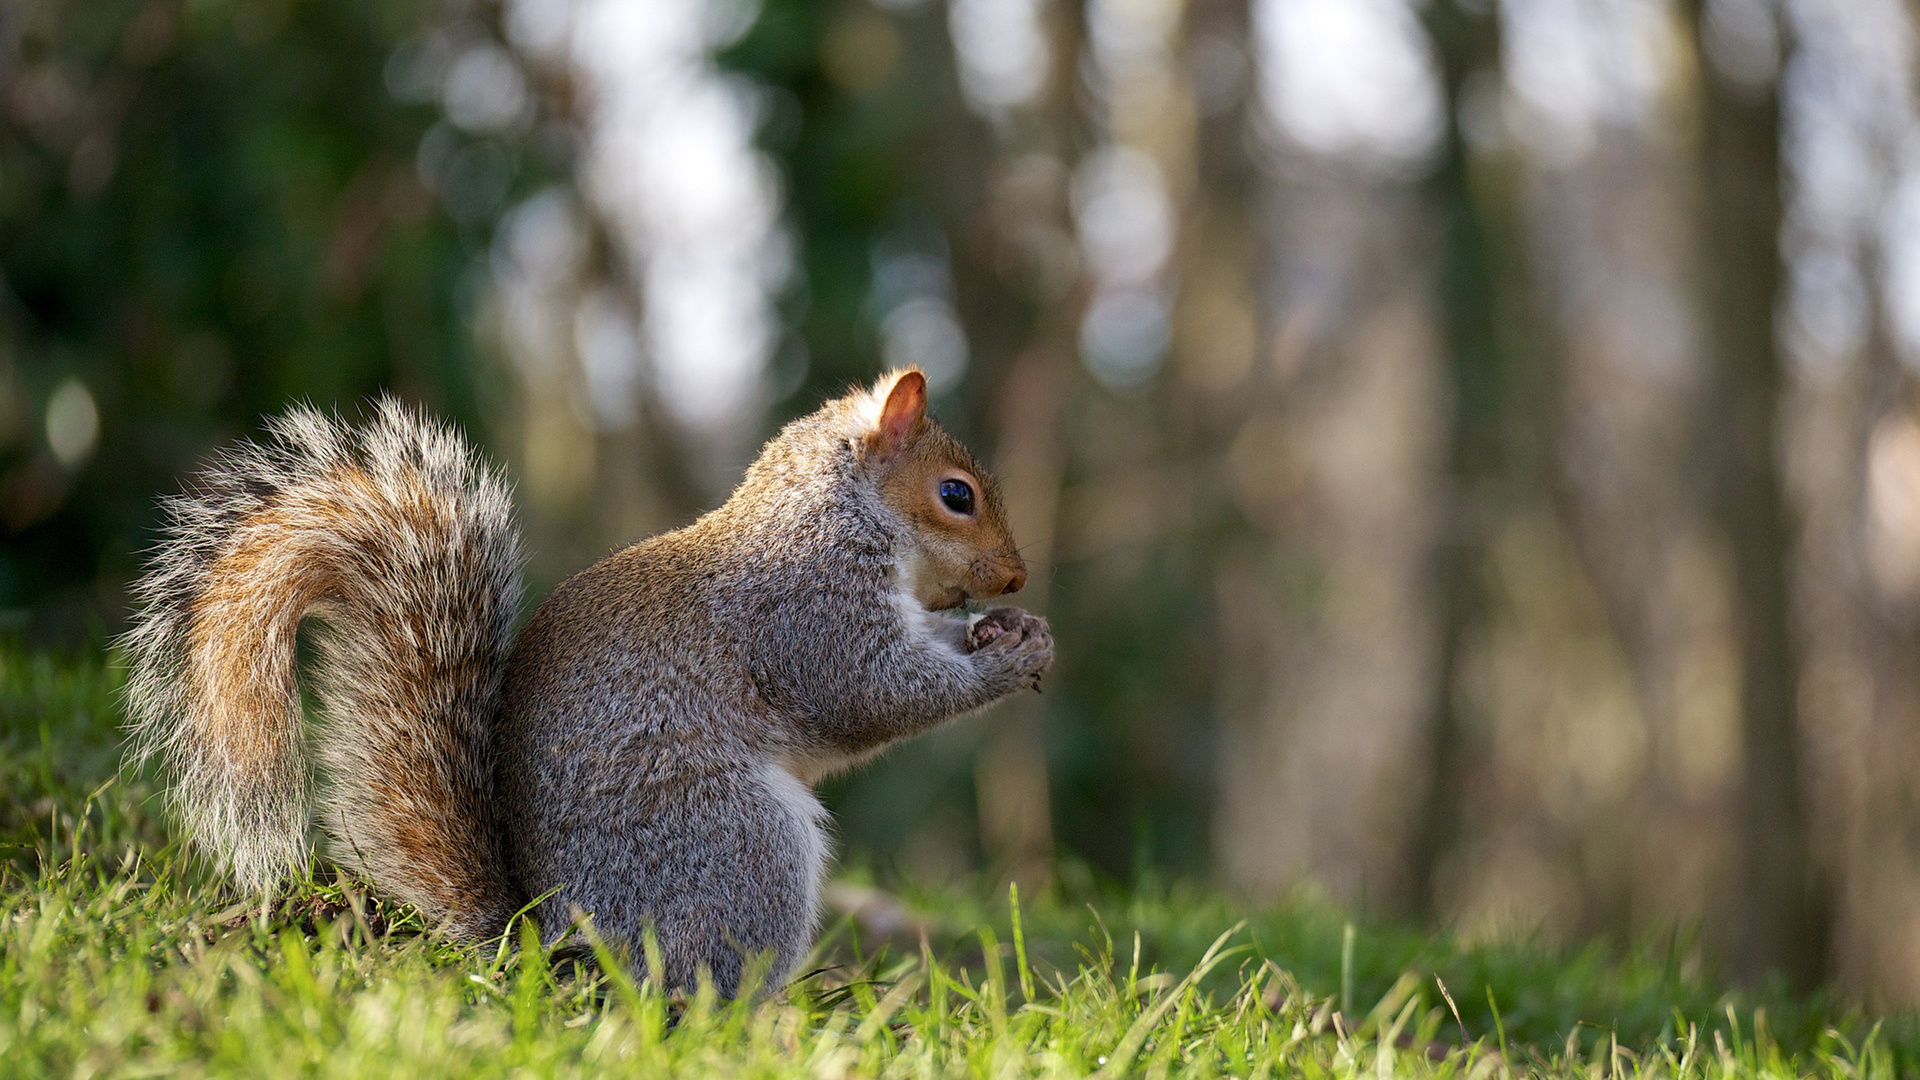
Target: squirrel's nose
point(1016, 581)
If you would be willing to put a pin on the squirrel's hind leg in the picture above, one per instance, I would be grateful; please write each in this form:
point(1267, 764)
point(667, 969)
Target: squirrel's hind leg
point(723, 866)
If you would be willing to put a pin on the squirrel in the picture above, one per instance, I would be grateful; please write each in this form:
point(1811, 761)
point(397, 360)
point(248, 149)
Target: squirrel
point(641, 753)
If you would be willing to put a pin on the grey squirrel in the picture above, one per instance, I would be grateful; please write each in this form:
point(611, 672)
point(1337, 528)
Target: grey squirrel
point(642, 751)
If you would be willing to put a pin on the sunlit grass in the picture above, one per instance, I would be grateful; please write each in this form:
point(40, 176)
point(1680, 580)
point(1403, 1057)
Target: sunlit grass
point(118, 956)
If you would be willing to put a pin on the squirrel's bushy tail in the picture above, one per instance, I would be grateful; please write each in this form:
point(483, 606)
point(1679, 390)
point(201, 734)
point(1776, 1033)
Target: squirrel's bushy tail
point(402, 544)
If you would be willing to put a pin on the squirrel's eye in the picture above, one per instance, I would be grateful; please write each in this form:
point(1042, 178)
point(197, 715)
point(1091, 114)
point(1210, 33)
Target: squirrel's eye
point(957, 496)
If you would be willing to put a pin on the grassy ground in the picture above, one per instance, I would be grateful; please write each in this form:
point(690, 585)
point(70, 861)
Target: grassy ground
point(118, 957)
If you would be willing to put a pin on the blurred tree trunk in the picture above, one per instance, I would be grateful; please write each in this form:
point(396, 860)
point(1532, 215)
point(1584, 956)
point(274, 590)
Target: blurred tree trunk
point(1853, 447)
point(1216, 316)
point(1781, 929)
point(1327, 613)
point(1653, 778)
point(1005, 200)
point(586, 486)
point(1851, 405)
point(1016, 820)
point(1522, 819)
point(1467, 46)
point(1326, 606)
point(1854, 456)
point(594, 475)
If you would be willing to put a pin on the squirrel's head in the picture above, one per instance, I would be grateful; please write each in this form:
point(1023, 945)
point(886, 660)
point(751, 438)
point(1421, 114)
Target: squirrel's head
point(963, 548)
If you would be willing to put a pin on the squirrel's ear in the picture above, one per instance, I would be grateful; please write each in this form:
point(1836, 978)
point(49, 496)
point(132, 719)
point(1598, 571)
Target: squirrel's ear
point(902, 415)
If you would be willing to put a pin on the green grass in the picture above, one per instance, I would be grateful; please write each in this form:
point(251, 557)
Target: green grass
point(118, 956)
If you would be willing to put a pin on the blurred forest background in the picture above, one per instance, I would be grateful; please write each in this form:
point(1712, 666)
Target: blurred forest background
point(1471, 449)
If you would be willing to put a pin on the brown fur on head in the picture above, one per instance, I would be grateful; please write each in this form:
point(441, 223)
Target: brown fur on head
point(963, 547)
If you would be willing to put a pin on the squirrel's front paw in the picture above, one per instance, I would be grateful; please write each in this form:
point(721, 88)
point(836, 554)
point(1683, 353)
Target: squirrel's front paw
point(1015, 638)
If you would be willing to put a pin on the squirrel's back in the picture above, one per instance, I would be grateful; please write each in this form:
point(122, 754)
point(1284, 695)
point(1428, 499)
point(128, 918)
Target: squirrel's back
point(402, 545)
